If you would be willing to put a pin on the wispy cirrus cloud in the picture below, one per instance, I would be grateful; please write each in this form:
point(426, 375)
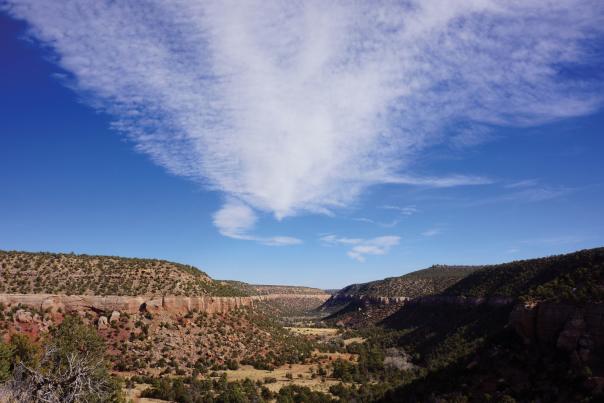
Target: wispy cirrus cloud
point(572, 240)
point(362, 247)
point(293, 107)
point(432, 232)
point(375, 246)
point(404, 210)
point(525, 183)
point(524, 192)
point(336, 240)
point(388, 224)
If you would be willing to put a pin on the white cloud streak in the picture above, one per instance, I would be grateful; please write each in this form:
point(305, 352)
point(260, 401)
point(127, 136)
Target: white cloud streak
point(432, 232)
point(389, 224)
point(524, 192)
point(376, 246)
point(525, 183)
point(361, 247)
point(405, 210)
point(335, 240)
point(236, 220)
point(293, 107)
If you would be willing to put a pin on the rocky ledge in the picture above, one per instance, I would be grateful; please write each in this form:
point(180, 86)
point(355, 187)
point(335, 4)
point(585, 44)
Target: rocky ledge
point(129, 304)
point(134, 304)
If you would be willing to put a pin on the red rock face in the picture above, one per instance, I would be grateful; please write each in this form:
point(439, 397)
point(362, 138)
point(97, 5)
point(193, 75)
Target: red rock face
point(132, 305)
point(567, 326)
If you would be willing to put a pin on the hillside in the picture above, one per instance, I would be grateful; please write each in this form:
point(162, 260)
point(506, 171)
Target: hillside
point(291, 304)
point(60, 273)
point(155, 317)
point(539, 279)
point(523, 331)
point(418, 283)
point(168, 341)
point(266, 289)
point(371, 302)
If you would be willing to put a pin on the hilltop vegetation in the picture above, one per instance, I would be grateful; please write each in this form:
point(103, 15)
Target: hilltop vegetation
point(470, 353)
point(552, 277)
point(61, 273)
point(416, 284)
point(356, 305)
point(266, 289)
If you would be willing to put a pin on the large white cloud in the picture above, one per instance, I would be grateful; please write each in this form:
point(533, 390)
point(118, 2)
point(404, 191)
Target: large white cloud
point(293, 107)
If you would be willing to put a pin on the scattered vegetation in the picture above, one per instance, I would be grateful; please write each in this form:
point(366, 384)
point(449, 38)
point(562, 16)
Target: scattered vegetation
point(398, 352)
point(59, 273)
point(467, 353)
point(416, 284)
point(69, 367)
point(263, 289)
point(191, 390)
point(538, 278)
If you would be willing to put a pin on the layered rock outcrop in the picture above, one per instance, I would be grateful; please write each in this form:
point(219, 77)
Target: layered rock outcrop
point(565, 325)
point(134, 304)
point(338, 300)
point(341, 299)
point(268, 297)
point(462, 301)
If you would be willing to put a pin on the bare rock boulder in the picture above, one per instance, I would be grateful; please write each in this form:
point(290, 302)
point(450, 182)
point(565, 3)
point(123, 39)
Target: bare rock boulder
point(103, 323)
point(23, 316)
point(115, 317)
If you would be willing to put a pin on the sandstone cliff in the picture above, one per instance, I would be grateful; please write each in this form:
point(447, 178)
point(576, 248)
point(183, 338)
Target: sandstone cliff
point(153, 304)
point(168, 304)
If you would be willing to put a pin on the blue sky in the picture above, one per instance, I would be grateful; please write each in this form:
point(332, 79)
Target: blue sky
point(302, 158)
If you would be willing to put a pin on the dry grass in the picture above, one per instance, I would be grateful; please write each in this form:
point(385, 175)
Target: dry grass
point(134, 395)
point(312, 331)
point(301, 373)
point(354, 340)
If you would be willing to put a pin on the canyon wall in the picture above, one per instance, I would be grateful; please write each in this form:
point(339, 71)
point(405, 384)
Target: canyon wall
point(135, 304)
point(338, 300)
point(341, 299)
point(569, 327)
point(461, 301)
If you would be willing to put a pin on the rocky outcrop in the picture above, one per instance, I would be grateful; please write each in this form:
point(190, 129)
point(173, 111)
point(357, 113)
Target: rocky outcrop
point(24, 316)
point(115, 317)
point(167, 304)
point(268, 297)
point(569, 327)
point(462, 301)
point(103, 323)
point(338, 300)
point(343, 299)
point(135, 304)
point(209, 305)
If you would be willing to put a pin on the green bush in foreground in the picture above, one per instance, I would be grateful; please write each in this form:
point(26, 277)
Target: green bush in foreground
point(69, 368)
